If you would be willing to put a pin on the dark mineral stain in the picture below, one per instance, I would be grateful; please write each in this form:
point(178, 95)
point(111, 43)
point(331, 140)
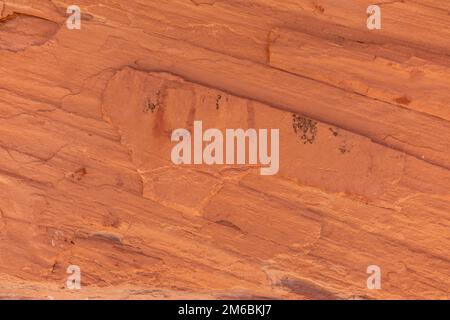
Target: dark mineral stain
point(152, 104)
point(219, 97)
point(403, 100)
point(334, 132)
point(78, 174)
point(345, 147)
point(319, 8)
point(343, 150)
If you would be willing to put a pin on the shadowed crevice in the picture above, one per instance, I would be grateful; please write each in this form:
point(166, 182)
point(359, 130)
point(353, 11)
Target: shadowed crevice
point(307, 289)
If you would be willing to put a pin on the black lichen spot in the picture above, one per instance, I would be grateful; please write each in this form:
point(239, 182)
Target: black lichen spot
point(306, 129)
point(219, 97)
point(151, 104)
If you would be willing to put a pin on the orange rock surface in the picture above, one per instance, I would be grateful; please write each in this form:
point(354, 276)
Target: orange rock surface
point(86, 176)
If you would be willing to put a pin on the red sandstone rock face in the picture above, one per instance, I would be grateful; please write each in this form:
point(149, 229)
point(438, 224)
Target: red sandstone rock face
point(86, 176)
